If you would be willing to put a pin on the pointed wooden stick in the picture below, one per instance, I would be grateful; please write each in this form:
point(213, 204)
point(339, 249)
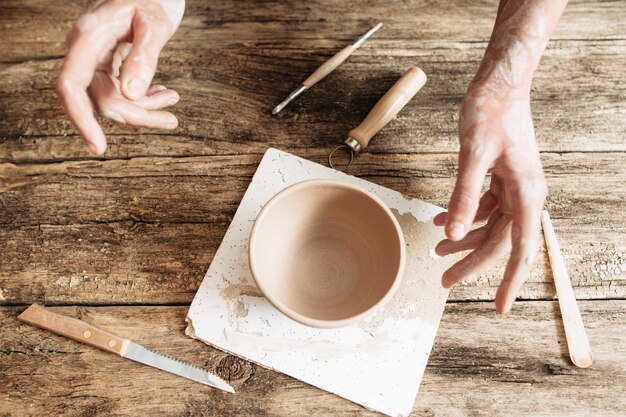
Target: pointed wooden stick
point(577, 341)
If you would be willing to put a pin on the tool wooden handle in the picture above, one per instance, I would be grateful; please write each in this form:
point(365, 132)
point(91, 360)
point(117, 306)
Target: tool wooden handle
point(328, 66)
point(74, 329)
point(389, 105)
point(577, 341)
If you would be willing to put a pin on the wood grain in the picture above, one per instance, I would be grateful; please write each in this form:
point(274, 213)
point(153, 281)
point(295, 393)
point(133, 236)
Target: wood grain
point(482, 364)
point(231, 67)
point(208, 189)
point(144, 230)
point(227, 97)
point(140, 225)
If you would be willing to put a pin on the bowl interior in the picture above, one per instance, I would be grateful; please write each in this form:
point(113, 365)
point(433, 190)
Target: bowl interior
point(325, 251)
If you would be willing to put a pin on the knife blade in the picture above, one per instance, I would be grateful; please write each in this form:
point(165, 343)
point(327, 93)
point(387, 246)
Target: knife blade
point(84, 332)
point(149, 357)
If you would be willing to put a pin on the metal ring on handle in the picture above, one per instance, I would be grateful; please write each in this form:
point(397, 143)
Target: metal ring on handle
point(330, 157)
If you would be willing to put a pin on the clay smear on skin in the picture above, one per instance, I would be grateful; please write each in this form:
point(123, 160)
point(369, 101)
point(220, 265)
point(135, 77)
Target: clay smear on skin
point(521, 33)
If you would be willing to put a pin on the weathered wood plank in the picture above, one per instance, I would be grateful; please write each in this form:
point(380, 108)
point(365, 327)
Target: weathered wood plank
point(234, 63)
point(128, 263)
point(578, 103)
point(113, 263)
point(313, 24)
point(145, 230)
point(208, 189)
point(142, 230)
point(482, 364)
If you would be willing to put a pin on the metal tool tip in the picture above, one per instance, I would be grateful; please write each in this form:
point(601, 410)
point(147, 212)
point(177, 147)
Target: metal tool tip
point(221, 384)
point(363, 38)
point(281, 105)
point(295, 93)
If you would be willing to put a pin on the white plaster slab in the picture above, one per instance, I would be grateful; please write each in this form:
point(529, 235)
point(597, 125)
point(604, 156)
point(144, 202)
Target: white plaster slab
point(378, 363)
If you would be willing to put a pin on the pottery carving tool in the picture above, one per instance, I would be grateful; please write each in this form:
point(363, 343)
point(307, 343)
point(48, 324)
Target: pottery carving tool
point(326, 68)
point(385, 109)
point(577, 341)
point(84, 332)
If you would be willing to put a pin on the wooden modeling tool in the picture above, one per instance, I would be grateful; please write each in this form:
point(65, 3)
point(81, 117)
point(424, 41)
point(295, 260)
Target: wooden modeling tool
point(385, 109)
point(326, 68)
point(577, 341)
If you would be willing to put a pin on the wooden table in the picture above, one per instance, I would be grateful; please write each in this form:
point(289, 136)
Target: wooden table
point(124, 240)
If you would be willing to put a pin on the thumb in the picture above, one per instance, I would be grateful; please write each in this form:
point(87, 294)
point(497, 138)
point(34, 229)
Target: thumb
point(149, 37)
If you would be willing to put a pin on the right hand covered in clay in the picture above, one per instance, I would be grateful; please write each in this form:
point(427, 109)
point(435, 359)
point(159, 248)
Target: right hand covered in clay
point(496, 135)
point(112, 57)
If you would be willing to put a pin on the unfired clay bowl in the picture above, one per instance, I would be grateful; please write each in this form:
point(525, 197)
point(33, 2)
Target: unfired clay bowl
point(326, 253)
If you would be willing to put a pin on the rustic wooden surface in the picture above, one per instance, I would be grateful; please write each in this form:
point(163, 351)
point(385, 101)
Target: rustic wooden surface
point(125, 239)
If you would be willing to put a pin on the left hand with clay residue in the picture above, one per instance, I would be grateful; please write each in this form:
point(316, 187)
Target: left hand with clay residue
point(496, 135)
point(112, 57)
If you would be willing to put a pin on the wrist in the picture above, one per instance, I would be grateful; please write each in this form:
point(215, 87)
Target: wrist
point(502, 77)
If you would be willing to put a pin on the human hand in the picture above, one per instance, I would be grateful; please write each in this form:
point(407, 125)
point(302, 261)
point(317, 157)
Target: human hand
point(112, 57)
point(496, 135)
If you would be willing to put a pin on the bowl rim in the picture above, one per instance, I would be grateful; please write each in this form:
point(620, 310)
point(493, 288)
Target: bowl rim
point(318, 323)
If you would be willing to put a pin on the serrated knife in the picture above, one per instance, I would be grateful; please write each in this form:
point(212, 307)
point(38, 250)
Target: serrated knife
point(84, 332)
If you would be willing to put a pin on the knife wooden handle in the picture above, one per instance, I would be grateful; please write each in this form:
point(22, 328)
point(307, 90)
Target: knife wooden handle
point(389, 106)
point(74, 329)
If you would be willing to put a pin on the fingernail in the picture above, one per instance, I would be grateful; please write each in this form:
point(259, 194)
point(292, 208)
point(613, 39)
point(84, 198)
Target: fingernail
point(172, 101)
point(456, 231)
point(135, 88)
point(171, 125)
point(95, 149)
point(507, 307)
point(445, 282)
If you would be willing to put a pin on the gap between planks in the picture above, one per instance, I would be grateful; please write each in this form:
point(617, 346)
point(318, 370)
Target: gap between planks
point(90, 158)
point(176, 304)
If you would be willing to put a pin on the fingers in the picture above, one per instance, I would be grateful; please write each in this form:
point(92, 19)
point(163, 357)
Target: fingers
point(114, 106)
point(117, 59)
point(89, 40)
point(473, 240)
point(155, 88)
point(76, 75)
point(497, 244)
point(158, 99)
point(440, 219)
point(474, 162)
point(487, 204)
point(528, 199)
point(150, 33)
point(126, 112)
point(78, 108)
